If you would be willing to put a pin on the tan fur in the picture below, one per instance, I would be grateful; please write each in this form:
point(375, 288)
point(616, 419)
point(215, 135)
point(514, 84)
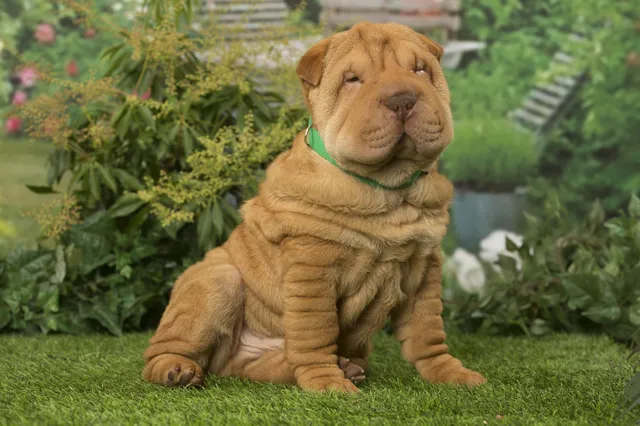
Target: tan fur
point(321, 259)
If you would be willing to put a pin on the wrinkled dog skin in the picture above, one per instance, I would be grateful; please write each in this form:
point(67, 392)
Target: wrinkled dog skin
point(321, 259)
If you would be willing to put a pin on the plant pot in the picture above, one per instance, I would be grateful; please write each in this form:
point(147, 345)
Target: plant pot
point(477, 214)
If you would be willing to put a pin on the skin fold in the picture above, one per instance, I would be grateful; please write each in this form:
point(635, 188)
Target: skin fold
point(321, 260)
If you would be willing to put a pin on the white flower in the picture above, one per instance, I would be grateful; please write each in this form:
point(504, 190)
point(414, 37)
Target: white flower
point(495, 244)
point(468, 271)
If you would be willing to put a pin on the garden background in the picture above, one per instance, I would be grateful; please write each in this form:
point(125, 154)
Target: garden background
point(134, 131)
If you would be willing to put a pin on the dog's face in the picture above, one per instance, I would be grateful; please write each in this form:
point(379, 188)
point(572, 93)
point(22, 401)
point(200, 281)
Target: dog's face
point(379, 100)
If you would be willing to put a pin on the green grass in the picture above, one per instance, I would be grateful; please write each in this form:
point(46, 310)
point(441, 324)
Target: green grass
point(22, 162)
point(559, 379)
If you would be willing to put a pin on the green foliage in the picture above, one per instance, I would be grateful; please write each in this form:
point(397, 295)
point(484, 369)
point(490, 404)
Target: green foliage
point(573, 278)
point(168, 108)
point(78, 41)
point(591, 153)
point(598, 150)
point(497, 82)
point(489, 154)
point(96, 277)
point(492, 20)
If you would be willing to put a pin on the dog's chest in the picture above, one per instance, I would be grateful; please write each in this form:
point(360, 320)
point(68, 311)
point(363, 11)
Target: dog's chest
point(373, 283)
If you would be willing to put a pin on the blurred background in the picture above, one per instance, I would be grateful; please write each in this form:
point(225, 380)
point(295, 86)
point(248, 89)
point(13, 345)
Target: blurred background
point(132, 131)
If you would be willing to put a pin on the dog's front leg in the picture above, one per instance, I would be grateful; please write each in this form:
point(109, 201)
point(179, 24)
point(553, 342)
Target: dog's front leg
point(310, 317)
point(420, 329)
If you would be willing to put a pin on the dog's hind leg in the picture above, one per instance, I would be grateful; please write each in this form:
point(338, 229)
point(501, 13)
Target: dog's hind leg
point(199, 328)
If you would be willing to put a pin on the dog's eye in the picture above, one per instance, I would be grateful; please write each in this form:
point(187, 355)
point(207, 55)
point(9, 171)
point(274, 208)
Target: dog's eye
point(351, 78)
point(420, 68)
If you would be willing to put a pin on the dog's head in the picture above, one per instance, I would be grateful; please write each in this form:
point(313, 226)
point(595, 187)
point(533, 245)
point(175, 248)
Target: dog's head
point(379, 100)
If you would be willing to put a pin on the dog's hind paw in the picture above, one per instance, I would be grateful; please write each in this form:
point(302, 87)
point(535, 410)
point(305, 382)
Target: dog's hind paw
point(352, 371)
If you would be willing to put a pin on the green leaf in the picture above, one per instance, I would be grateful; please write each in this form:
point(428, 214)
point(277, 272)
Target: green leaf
point(147, 116)
point(582, 289)
point(138, 219)
point(596, 215)
point(511, 246)
point(101, 312)
point(603, 313)
point(5, 315)
point(126, 271)
point(108, 53)
point(123, 125)
point(631, 279)
point(634, 206)
point(76, 177)
point(204, 227)
point(94, 185)
point(117, 61)
point(127, 180)
point(634, 314)
point(118, 115)
point(218, 219)
point(507, 264)
point(107, 177)
point(539, 327)
point(41, 189)
point(60, 267)
point(126, 205)
point(187, 141)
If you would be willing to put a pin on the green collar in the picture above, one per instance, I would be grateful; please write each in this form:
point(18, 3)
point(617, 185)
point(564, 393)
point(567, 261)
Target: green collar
point(313, 139)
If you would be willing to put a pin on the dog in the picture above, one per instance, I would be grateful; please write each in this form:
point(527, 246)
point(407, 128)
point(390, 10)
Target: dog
point(344, 232)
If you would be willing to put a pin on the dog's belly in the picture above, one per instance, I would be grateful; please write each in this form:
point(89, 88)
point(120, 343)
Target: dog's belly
point(253, 345)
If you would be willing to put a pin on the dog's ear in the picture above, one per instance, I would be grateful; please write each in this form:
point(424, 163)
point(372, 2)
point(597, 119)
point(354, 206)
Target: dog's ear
point(309, 69)
point(433, 47)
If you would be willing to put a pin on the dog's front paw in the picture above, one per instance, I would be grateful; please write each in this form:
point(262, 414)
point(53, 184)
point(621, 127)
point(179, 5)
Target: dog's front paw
point(450, 371)
point(174, 370)
point(323, 384)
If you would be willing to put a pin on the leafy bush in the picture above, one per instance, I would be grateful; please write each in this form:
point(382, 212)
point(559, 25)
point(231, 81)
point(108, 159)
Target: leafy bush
point(600, 158)
point(581, 278)
point(496, 82)
point(492, 20)
point(42, 38)
point(591, 153)
point(166, 112)
point(489, 154)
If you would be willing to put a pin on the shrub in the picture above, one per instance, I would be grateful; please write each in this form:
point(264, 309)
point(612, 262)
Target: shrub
point(163, 114)
point(50, 37)
point(600, 158)
point(489, 154)
point(581, 278)
point(496, 82)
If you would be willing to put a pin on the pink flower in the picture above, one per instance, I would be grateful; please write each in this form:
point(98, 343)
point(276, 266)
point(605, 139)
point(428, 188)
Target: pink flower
point(13, 125)
point(45, 34)
point(19, 97)
point(28, 76)
point(72, 68)
point(146, 95)
point(89, 33)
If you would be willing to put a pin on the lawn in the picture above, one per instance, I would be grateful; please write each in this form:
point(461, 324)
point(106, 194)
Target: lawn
point(22, 163)
point(559, 379)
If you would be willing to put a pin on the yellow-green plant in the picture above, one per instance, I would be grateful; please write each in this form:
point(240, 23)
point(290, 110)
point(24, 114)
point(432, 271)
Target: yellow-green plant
point(158, 152)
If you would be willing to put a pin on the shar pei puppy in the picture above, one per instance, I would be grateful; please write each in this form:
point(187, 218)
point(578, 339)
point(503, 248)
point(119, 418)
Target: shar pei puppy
point(344, 233)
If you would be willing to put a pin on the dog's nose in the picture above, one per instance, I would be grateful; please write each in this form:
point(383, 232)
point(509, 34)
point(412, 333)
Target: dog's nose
point(401, 103)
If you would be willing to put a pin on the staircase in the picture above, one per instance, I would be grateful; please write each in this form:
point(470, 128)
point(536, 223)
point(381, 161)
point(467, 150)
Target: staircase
point(547, 102)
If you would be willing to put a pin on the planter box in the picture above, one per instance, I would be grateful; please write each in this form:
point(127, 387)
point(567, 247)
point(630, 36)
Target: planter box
point(477, 214)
